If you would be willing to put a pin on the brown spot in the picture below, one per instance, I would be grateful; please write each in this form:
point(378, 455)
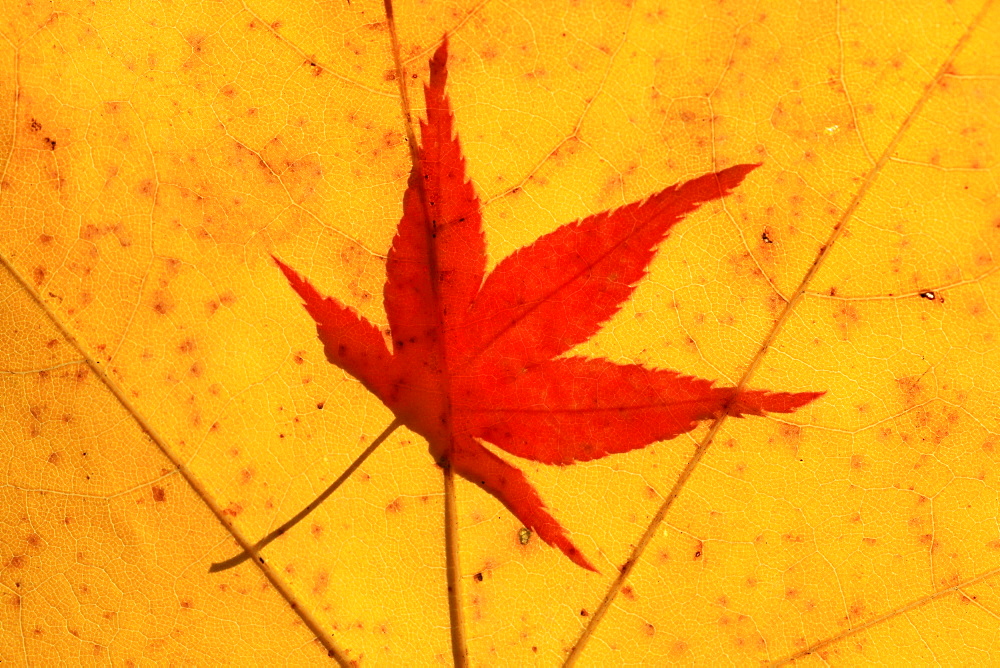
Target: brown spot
point(321, 583)
point(316, 530)
point(39, 275)
point(628, 592)
point(787, 434)
point(162, 304)
point(857, 462)
point(186, 603)
point(246, 475)
point(846, 318)
point(54, 458)
point(51, 143)
point(159, 495)
point(197, 42)
point(649, 630)
point(16, 562)
point(233, 509)
point(911, 390)
point(478, 577)
point(584, 613)
point(396, 506)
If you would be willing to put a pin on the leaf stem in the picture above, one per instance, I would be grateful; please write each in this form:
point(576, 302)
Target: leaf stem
point(459, 651)
point(301, 515)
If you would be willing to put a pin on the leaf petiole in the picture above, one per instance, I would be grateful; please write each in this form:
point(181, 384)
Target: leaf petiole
point(459, 651)
point(302, 514)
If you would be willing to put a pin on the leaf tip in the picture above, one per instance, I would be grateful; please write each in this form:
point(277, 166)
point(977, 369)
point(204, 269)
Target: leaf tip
point(439, 64)
point(760, 402)
point(576, 556)
point(731, 177)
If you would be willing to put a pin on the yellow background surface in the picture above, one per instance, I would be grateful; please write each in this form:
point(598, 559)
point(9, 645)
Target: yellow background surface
point(154, 154)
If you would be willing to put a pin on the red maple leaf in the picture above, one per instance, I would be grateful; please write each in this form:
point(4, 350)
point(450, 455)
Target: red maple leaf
point(476, 358)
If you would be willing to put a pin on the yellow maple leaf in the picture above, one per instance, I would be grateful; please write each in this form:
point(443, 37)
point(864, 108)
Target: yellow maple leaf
point(166, 402)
